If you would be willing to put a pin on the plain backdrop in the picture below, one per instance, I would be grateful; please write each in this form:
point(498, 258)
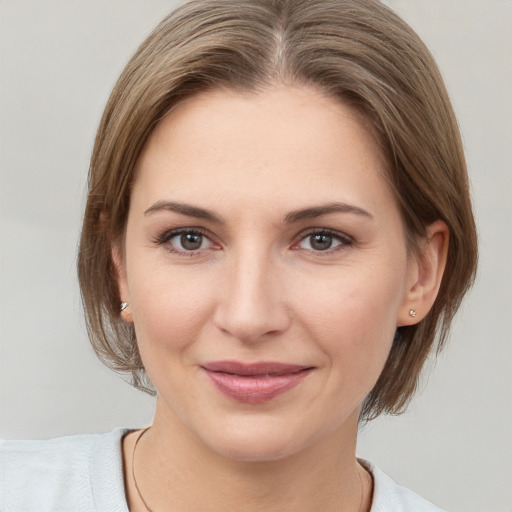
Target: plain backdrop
point(58, 62)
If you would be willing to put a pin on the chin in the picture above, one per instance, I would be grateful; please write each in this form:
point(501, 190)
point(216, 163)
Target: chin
point(258, 442)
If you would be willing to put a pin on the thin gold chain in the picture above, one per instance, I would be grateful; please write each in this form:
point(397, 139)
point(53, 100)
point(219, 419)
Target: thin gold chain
point(133, 469)
point(147, 506)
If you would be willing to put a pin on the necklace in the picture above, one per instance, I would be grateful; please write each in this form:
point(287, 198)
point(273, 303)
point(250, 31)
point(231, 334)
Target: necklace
point(149, 510)
point(133, 470)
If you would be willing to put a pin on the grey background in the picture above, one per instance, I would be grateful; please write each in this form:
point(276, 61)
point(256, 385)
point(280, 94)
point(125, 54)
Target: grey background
point(58, 61)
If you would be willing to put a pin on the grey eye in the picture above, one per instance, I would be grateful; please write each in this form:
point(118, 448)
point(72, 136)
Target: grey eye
point(321, 242)
point(191, 241)
point(187, 241)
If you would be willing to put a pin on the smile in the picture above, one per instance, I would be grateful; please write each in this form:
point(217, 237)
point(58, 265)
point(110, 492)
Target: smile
point(254, 383)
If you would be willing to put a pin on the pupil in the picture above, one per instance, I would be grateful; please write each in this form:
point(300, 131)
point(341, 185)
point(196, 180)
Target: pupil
point(191, 242)
point(321, 242)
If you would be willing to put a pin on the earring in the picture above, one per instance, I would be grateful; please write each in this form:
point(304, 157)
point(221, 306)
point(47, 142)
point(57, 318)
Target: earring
point(412, 312)
point(126, 313)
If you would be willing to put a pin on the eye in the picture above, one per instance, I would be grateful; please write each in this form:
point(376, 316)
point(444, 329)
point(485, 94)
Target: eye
point(185, 241)
point(323, 241)
point(189, 241)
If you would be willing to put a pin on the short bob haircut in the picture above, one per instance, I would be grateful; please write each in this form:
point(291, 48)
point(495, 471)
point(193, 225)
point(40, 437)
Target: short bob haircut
point(358, 51)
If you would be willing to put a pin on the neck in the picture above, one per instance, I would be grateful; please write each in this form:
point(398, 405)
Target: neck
point(174, 467)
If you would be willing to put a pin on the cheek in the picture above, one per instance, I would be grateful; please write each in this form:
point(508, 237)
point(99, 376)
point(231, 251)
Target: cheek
point(353, 318)
point(169, 307)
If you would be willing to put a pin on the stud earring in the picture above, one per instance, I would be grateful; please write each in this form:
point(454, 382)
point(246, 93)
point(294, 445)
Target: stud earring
point(412, 312)
point(126, 314)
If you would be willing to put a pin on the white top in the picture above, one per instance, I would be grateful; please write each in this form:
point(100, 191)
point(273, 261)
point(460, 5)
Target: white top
point(85, 474)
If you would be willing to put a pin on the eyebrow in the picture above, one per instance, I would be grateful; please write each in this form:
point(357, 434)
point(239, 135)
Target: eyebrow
point(318, 211)
point(295, 216)
point(184, 209)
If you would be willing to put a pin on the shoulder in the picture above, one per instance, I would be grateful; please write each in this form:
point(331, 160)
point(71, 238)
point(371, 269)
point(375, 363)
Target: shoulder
point(388, 496)
point(83, 472)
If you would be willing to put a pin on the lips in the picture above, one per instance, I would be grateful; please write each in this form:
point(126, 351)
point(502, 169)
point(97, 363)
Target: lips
point(254, 383)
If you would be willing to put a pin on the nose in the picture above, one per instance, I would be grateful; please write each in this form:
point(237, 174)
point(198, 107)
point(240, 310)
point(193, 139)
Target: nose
point(251, 304)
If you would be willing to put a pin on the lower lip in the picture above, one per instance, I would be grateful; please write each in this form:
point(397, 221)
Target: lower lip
point(256, 389)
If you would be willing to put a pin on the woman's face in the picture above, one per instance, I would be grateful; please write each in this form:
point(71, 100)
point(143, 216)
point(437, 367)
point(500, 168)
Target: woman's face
point(266, 267)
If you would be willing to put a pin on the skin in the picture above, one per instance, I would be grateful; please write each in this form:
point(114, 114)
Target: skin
point(259, 289)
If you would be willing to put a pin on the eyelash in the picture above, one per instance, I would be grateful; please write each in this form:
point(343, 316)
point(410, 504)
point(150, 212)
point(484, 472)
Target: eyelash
point(345, 240)
point(164, 239)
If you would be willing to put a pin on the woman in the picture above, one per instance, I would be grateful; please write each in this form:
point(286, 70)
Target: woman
point(278, 232)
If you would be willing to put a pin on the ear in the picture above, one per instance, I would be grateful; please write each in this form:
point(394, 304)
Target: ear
point(122, 282)
point(426, 270)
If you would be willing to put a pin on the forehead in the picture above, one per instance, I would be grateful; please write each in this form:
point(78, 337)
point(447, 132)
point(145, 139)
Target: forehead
point(280, 144)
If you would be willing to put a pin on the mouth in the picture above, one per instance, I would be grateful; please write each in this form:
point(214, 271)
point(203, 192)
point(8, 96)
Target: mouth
point(254, 383)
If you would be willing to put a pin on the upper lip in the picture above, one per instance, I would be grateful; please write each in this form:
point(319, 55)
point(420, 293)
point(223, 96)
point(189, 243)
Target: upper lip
point(253, 369)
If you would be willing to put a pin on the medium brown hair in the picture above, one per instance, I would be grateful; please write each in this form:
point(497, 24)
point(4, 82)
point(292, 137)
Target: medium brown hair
point(356, 50)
